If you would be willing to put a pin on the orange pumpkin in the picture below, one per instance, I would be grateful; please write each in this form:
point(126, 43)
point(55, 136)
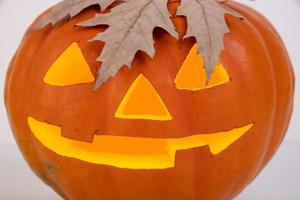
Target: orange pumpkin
point(155, 131)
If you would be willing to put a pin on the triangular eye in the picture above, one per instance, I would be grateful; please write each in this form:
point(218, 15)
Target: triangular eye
point(142, 102)
point(70, 68)
point(191, 75)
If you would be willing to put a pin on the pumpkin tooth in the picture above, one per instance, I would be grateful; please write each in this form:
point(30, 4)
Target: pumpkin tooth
point(77, 134)
point(217, 142)
point(220, 141)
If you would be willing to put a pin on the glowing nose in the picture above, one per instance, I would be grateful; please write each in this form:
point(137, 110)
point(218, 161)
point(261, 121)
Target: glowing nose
point(142, 102)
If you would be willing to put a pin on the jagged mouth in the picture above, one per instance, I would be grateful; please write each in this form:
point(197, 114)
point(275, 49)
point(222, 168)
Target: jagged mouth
point(131, 152)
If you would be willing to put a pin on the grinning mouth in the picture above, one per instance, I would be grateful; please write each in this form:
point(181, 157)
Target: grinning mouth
point(130, 152)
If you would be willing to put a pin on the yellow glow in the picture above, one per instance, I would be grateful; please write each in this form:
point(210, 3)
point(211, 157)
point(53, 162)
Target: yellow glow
point(142, 102)
point(191, 75)
point(130, 152)
point(70, 68)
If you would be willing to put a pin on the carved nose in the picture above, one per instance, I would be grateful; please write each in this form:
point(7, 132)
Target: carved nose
point(142, 102)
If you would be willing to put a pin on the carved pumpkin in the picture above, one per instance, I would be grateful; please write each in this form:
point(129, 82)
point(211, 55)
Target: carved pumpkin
point(156, 131)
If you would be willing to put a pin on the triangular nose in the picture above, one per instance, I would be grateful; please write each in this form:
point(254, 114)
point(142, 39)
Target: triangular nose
point(142, 102)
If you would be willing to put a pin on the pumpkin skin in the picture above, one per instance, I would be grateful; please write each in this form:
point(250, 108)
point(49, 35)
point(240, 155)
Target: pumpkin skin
point(260, 92)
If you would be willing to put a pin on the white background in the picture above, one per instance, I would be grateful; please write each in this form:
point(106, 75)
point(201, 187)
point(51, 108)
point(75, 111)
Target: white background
point(280, 180)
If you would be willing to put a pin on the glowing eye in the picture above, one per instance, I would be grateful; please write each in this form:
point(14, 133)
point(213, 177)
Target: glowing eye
point(70, 68)
point(191, 75)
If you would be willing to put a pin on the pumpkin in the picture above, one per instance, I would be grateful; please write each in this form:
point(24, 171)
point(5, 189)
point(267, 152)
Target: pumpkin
point(155, 131)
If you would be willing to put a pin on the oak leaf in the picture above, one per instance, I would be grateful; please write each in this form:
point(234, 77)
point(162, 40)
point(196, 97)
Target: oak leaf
point(206, 22)
point(68, 9)
point(131, 26)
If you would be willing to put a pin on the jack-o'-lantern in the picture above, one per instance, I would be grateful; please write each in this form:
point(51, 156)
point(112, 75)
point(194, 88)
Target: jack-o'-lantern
point(157, 130)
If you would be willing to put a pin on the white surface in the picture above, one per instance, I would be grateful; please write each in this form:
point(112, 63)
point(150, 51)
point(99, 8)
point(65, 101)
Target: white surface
point(279, 181)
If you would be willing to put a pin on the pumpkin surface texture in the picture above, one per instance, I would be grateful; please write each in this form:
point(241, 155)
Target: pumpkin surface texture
point(161, 130)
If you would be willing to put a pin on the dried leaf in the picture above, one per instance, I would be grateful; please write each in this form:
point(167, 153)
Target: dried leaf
point(130, 29)
point(206, 22)
point(68, 9)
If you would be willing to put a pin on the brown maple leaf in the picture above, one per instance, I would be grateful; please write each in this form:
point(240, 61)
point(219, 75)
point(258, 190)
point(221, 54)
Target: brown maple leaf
point(206, 22)
point(68, 9)
point(130, 29)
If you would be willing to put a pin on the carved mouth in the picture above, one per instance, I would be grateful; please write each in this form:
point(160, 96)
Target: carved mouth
point(131, 152)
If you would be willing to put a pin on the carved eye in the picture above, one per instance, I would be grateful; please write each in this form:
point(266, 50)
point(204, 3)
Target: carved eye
point(70, 68)
point(191, 75)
